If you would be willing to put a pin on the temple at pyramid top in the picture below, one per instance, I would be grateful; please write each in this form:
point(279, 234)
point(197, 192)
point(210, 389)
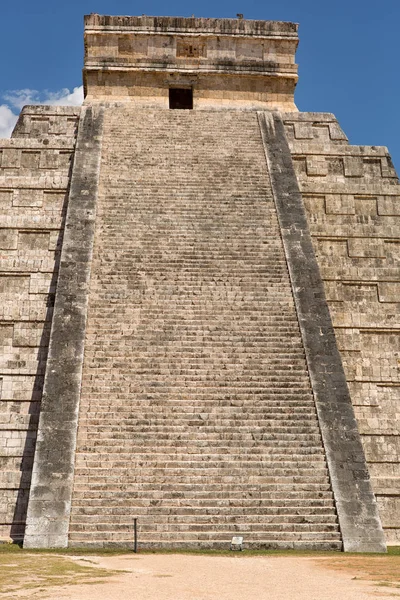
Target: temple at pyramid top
point(176, 62)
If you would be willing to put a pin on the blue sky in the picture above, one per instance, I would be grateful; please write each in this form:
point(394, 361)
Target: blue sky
point(348, 55)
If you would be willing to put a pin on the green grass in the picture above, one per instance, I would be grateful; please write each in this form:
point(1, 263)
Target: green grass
point(40, 570)
point(23, 570)
point(15, 548)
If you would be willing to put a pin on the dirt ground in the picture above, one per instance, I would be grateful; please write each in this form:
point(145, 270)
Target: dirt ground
point(201, 577)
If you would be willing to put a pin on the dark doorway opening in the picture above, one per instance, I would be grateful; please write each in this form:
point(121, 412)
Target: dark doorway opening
point(181, 98)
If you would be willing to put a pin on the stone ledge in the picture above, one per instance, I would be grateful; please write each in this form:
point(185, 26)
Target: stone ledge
point(52, 477)
point(355, 502)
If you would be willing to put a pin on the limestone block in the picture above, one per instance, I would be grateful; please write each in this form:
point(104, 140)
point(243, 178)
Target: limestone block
point(19, 360)
point(315, 205)
point(140, 47)
point(11, 158)
point(331, 247)
point(30, 160)
point(389, 205)
point(353, 166)
point(42, 283)
point(348, 339)
point(31, 334)
point(372, 421)
point(333, 291)
point(39, 125)
point(340, 204)
point(72, 125)
point(64, 159)
point(33, 241)
point(249, 50)
point(189, 47)
point(364, 393)
point(55, 202)
point(366, 248)
point(58, 126)
point(13, 285)
point(303, 131)
point(378, 446)
point(316, 166)
point(6, 336)
point(372, 168)
point(125, 45)
point(336, 132)
point(8, 239)
point(22, 387)
point(365, 205)
point(5, 199)
point(390, 510)
point(49, 159)
point(321, 133)
point(162, 47)
point(389, 292)
point(27, 197)
point(55, 240)
point(387, 168)
point(385, 471)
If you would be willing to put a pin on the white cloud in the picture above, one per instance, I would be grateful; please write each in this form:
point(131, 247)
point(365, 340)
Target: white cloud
point(16, 99)
point(65, 97)
point(19, 98)
point(7, 121)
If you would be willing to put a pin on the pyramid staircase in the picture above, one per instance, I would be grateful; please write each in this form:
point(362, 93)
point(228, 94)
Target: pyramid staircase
point(196, 415)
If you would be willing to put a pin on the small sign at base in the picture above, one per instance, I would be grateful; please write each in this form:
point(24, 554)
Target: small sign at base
point(237, 543)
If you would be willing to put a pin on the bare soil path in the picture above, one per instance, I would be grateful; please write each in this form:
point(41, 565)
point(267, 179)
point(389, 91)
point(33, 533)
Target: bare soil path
point(232, 577)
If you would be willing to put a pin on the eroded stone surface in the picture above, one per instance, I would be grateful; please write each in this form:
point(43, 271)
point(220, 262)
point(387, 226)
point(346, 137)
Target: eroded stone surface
point(172, 181)
point(227, 63)
point(352, 200)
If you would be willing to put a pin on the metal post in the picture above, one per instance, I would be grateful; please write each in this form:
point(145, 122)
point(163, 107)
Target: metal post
point(135, 535)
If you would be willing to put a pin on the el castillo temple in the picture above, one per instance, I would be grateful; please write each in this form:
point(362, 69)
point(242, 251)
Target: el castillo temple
point(200, 294)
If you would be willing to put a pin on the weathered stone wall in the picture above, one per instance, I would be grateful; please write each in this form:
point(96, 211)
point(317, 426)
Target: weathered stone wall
point(210, 91)
point(53, 468)
point(34, 175)
point(196, 411)
point(227, 62)
point(352, 198)
point(208, 381)
point(47, 122)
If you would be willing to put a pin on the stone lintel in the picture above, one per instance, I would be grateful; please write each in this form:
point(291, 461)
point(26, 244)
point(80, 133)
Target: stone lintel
point(196, 25)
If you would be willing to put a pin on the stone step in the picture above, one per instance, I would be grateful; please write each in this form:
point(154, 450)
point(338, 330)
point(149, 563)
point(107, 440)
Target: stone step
point(203, 453)
point(231, 397)
point(187, 522)
point(213, 442)
point(230, 414)
point(193, 506)
point(211, 431)
point(195, 544)
point(160, 537)
point(227, 464)
point(157, 384)
point(196, 411)
point(281, 496)
point(151, 471)
point(203, 419)
point(188, 490)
